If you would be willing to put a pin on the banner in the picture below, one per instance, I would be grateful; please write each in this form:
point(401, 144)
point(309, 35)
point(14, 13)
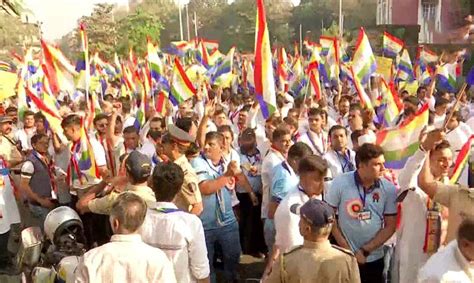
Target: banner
point(384, 67)
point(7, 84)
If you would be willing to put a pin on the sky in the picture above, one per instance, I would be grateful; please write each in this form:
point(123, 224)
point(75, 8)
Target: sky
point(58, 17)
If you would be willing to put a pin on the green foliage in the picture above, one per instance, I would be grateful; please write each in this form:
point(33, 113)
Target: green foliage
point(14, 35)
point(134, 29)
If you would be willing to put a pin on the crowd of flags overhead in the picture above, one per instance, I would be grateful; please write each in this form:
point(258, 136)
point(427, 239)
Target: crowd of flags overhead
point(178, 72)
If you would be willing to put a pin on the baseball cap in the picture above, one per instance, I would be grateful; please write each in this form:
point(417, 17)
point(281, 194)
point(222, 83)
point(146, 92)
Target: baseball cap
point(318, 213)
point(5, 119)
point(138, 165)
point(179, 134)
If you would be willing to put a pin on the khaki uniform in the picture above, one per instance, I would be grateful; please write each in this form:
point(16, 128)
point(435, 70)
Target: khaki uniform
point(8, 149)
point(316, 262)
point(104, 204)
point(189, 193)
point(460, 202)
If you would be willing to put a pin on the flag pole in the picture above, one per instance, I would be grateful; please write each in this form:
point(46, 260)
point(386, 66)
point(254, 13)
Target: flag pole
point(458, 100)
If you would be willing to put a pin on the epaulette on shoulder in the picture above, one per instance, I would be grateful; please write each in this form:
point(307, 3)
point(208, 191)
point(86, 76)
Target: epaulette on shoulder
point(346, 251)
point(293, 250)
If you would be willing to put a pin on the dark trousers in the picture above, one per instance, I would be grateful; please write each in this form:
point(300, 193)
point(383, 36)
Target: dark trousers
point(251, 225)
point(372, 272)
point(97, 229)
point(4, 253)
point(227, 238)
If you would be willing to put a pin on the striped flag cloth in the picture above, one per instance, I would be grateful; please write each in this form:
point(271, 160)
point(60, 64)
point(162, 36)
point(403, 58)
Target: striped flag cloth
point(446, 75)
point(181, 88)
point(461, 161)
point(391, 45)
point(57, 69)
point(401, 142)
point(405, 68)
point(363, 61)
point(264, 80)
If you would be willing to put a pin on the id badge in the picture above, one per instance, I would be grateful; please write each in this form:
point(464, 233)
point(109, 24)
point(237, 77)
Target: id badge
point(365, 215)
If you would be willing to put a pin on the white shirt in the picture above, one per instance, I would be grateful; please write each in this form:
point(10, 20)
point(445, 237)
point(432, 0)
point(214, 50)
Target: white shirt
point(125, 259)
point(232, 156)
point(270, 161)
point(287, 223)
point(447, 266)
point(25, 137)
point(99, 154)
point(8, 207)
point(317, 142)
point(409, 254)
point(337, 162)
point(148, 148)
point(180, 236)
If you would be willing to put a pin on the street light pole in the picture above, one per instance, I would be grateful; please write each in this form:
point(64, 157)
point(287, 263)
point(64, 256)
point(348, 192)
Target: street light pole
point(340, 19)
point(180, 22)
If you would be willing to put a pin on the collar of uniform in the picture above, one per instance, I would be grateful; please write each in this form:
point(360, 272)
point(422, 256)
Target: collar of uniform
point(317, 245)
point(162, 204)
point(126, 238)
point(462, 261)
point(135, 188)
point(181, 160)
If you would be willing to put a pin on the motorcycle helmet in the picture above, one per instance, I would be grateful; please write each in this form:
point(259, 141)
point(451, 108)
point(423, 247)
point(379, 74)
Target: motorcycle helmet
point(60, 221)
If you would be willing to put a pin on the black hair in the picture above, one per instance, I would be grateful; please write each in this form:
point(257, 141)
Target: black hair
point(167, 180)
point(299, 150)
point(130, 129)
point(367, 152)
point(99, 117)
point(279, 132)
point(184, 123)
point(37, 137)
point(71, 120)
point(312, 163)
point(335, 128)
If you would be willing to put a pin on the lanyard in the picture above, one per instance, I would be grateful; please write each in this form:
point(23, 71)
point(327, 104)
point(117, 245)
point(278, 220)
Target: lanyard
point(286, 166)
point(346, 162)
point(256, 158)
point(220, 171)
point(362, 196)
point(314, 144)
point(166, 210)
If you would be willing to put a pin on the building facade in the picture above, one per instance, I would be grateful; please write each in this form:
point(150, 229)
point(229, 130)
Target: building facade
point(437, 18)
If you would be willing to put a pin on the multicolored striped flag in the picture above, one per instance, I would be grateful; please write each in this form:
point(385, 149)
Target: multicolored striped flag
point(401, 142)
point(160, 102)
point(82, 165)
point(224, 67)
point(426, 55)
point(391, 45)
point(392, 103)
point(363, 96)
point(282, 70)
point(5, 66)
point(264, 80)
point(446, 75)
point(58, 70)
point(405, 68)
point(315, 89)
point(181, 88)
point(154, 62)
point(331, 52)
point(363, 61)
point(461, 161)
point(82, 64)
point(201, 55)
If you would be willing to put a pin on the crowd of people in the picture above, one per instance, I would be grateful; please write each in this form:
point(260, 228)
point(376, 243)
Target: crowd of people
point(193, 190)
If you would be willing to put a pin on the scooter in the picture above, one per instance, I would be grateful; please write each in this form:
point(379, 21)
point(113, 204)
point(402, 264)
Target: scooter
point(53, 257)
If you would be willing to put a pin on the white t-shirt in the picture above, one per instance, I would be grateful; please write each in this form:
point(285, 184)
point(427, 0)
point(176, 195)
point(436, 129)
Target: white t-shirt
point(287, 223)
point(99, 154)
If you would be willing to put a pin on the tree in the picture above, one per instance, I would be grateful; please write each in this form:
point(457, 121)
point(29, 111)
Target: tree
point(101, 32)
point(14, 34)
point(134, 30)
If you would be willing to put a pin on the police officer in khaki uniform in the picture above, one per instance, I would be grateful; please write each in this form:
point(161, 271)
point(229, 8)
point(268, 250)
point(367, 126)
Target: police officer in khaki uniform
point(174, 145)
point(316, 260)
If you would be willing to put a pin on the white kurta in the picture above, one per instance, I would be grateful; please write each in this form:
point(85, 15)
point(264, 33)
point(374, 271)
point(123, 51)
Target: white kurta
point(8, 207)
